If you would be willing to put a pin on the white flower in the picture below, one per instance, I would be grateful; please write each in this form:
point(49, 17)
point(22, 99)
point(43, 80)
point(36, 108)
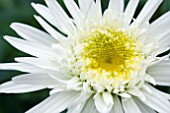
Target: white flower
point(93, 61)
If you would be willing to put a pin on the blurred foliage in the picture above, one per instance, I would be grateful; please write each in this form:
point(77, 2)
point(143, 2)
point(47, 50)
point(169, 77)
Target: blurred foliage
point(21, 11)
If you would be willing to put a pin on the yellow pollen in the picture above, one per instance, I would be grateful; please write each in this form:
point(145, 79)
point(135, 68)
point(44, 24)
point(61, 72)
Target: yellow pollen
point(111, 51)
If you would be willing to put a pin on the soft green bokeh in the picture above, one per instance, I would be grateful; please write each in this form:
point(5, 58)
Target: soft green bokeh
point(21, 11)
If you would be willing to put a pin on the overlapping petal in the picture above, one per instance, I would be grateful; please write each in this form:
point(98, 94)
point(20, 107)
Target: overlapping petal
point(57, 64)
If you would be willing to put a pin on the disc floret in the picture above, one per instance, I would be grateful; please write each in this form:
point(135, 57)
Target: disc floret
point(111, 56)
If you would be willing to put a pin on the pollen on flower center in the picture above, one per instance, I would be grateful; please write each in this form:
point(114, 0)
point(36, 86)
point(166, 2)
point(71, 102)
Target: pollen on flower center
point(111, 51)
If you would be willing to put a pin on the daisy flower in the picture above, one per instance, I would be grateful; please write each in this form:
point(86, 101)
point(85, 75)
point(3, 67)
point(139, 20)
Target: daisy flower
point(94, 61)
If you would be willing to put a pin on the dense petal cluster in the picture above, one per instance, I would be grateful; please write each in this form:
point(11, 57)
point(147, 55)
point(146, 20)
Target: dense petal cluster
point(94, 61)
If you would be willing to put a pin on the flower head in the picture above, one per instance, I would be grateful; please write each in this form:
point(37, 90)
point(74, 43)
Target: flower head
point(94, 62)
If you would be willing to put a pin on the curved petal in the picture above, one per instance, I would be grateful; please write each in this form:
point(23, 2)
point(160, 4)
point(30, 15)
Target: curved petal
point(108, 98)
point(117, 105)
point(90, 10)
point(100, 104)
point(130, 11)
point(116, 7)
point(144, 108)
point(35, 79)
point(32, 34)
point(160, 72)
point(40, 62)
point(31, 47)
point(136, 92)
point(147, 11)
point(47, 15)
point(11, 87)
point(74, 10)
point(89, 107)
point(24, 68)
point(158, 27)
point(99, 8)
point(55, 103)
point(130, 106)
point(163, 40)
point(49, 29)
point(85, 5)
point(156, 101)
point(76, 109)
point(166, 95)
point(61, 17)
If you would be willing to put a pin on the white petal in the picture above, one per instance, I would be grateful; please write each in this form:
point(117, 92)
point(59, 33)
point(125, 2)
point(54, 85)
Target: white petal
point(117, 106)
point(161, 72)
point(31, 47)
point(89, 107)
point(130, 11)
point(144, 108)
point(60, 50)
point(91, 13)
point(61, 17)
point(99, 8)
point(58, 88)
point(32, 34)
point(156, 102)
point(35, 79)
point(74, 84)
point(91, 10)
point(162, 63)
point(74, 10)
point(40, 62)
point(61, 38)
point(100, 104)
point(76, 109)
point(116, 7)
point(159, 92)
point(148, 10)
point(84, 96)
point(11, 87)
point(55, 103)
point(164, 39)
point(23, 68)
point(159, 59)
point(148, 89)
point(49, 29)
point(150, 79)
point(161, 39)
point(161, 21)
point(85, 5)
point(60, 76)
point(130, 106)
point(95, 111)
point(159, 26)
point(108, 98)
point(126, 95)
point(136, 92)
point(47, 15)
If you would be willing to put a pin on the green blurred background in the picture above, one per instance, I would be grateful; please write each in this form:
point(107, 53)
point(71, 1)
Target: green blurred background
point(21, 11)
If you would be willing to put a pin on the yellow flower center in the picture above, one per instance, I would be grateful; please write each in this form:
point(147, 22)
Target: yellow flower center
point(112, 53)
